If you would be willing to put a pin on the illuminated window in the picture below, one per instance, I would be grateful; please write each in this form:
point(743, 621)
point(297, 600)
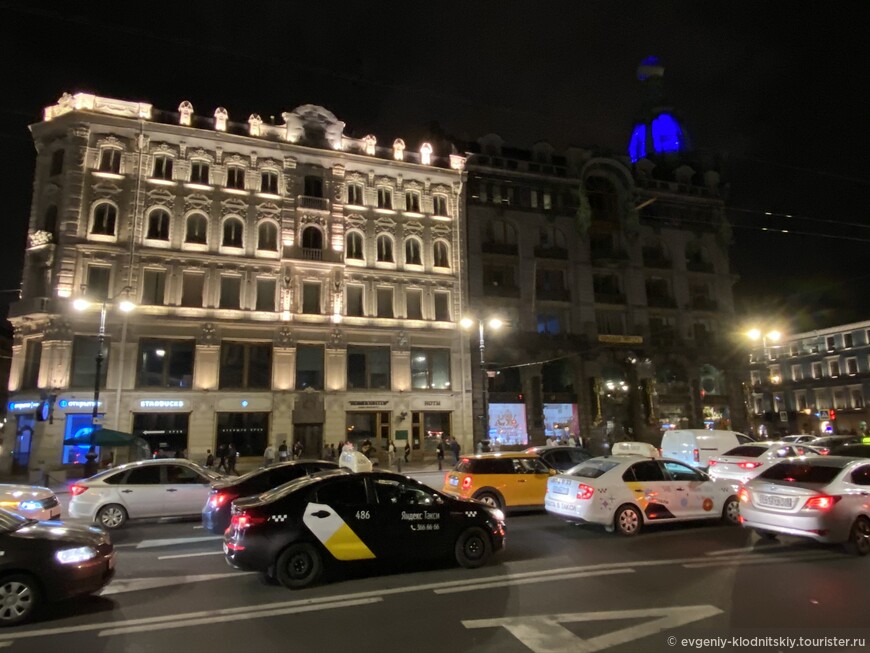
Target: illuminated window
point(354, 247)
point(110, 160)
point(197, 229)
point(267, 237)
point(355, 194)
point(105, 216)
point(430, 369)
point(439, 204)
point(158, 225)
point(412, 201)
point(162, 168)
point(412, 252)
point(236, 177)
point(385, 249)
point(441, 254)
point(234, 232)
point(385, 198)
point(269, 182)
point(199, 172)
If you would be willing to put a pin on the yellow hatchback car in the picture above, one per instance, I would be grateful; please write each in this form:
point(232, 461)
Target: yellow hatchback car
point(502, 480)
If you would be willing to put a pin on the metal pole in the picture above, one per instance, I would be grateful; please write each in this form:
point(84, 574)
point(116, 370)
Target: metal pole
point(101, 337)
point(484, 378)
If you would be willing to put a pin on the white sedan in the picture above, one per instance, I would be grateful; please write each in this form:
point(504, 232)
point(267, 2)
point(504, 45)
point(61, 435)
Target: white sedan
point(149, 488)
point(623, 493)
point(747, 461)
point(30, 501)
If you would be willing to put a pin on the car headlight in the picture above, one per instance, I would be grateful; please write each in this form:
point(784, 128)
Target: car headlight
point(75, 555)
point(497, 514)
point(30, 505)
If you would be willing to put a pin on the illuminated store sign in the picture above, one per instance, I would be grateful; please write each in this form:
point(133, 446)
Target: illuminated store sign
point(23, 406)
point(162, 403)
point(73, 404)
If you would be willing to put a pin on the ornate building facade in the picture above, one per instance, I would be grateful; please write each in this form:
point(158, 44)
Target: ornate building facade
point(289, 282)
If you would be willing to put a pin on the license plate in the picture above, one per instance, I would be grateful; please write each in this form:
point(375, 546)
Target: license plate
point(454, 481)
point(775, 501)
point(226, 548)
point(560, 489)
point(561, 505)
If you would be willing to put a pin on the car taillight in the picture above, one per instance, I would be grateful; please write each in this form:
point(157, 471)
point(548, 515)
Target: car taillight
point(748, 465)
point(822, 502)
point(466, 483)
point(743, 495)
point(246, 520)
point(696, 454)
point(824, 451)
point(710, 463)
point(585, 491)
point(221, 498)
point(76, 490)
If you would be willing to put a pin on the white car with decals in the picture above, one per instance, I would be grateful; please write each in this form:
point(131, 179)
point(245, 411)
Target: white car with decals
point(30, 501)
point(626, 492)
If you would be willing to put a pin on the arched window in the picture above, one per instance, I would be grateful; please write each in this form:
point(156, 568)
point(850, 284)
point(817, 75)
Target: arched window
point(501, 233)
point(158, 225)
point(197, 229)
point(312, 238)
point(412, 252)
point(49, 221)
point(385, 249)
point(354, 247)
point(234, 233)
point(267, 236)
point(105, 216)
point(441, 254)
point(550, 238)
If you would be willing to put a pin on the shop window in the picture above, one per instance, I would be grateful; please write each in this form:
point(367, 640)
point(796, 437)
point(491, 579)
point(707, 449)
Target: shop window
point(247, 432)
point(165, 363)
point(231, 288)
point(309, 367)
point(78, 426)
point(368, 368)
point(430, 369)
point(191, 289)
point(266, 295)
point(414, 304)
point(153, 287)
point(84, 363)
point(164, 432)
point(246, 365)
point(369, 425)
point(32, 360)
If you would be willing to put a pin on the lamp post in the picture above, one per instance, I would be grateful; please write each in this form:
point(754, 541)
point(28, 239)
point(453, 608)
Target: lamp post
point(757, 334)
point(493, 323)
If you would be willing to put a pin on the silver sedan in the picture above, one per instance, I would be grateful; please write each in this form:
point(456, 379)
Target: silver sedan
point(824, 498)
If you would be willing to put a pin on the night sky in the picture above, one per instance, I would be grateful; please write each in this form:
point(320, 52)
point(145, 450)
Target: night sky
point(777, 89)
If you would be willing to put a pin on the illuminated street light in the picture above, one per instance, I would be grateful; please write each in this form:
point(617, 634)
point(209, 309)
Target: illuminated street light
point(756, 334)
point(495, 324)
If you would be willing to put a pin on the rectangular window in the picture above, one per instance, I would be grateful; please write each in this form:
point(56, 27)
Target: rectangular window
point(84, 363)
point(610, 322)
point(817, 370)
point(834, 368)
point(414, 303)
point(857, 398)
point(162, 168)
point(269, 182)
point(165, 363)
point(800, 400)
point(755, 377)
point(246, 365)
point(797, 372)
point(236, 177)
point(311, 298)
point(848, 341)
point(355, 195)
point(191, 289)
point(56, 162)
point(385, 198)
point(153, 287)
point(309, 367)
point(430, 369)
point(851, 365)
point(368, 368)
point(199, 172)
point(442, 306)
point(439, 205)
point(110, 160)
point(385, 302)
point(830, 342)
point(231, 288)
point(248, 432)
point(266, 295)
point(354, 305)
point(97, 286)
point(412, 201)
point(549, 324)
point(313, 186)
point(32, 360)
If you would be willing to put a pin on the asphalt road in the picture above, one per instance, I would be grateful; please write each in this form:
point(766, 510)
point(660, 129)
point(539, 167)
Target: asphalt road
point(556, 587)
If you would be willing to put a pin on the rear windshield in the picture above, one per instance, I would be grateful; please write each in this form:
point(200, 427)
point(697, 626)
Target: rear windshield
point(801, 473)
point(592, 468)
point(748, 451)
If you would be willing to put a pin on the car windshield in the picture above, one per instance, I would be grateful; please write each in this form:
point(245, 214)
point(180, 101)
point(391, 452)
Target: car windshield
point(748, 451)
point(592, 468)
point(9, 521)
point(801, 473)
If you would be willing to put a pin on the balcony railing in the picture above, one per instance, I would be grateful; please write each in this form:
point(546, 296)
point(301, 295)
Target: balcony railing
point(30, 306)
point(312, 254)
point(312, 203)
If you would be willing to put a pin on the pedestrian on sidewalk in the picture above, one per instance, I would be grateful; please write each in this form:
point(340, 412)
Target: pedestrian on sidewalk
point(222, 458)
point(391, 452)
point(209, 459)
point(282, 452)
point(440, 453)
point(269, 455)
point(454, 447)
point(232, 458)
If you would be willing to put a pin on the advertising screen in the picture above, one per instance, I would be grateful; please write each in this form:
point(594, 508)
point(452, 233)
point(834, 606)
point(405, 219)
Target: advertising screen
point(561, 421)
point(507, 424)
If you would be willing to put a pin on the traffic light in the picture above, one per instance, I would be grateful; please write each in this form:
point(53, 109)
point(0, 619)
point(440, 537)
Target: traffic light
point(833, 414)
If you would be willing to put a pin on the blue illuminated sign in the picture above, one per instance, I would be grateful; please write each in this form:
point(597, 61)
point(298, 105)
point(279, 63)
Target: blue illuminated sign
point(667, 134)
point(22, 406)
point(77, 403)
point(244, 403)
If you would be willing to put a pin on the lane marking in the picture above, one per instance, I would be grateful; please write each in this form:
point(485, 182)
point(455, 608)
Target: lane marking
point(191, 555)
point(529, 581)
point(546, 634)
point(172, 541)
point(196, 527)
point(122, 585)
point(767, 560)
point(748, 549)
point(238, 617)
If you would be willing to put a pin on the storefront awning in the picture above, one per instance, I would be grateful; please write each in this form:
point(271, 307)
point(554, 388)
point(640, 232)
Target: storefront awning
point(104, 438)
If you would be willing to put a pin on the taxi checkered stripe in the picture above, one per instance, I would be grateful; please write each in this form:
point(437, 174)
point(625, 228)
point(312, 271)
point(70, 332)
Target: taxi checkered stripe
point(278, 518)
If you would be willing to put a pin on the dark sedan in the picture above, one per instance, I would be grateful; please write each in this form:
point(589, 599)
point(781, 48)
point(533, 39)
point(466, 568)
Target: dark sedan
point(559, 457)
point(854, 449)
point(48, 561)
point(216, 513)
point(292, 532)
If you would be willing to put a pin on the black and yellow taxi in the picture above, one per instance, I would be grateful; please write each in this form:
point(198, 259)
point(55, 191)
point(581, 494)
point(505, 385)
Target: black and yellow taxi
point(292, 532)
point(501, 480)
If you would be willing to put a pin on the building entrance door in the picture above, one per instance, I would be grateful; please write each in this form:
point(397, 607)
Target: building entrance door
point(311, 437)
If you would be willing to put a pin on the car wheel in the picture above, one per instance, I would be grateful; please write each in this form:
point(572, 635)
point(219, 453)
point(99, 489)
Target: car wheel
point(19, 599)
point(859, 537)
point(299, 565)
point(765, 535)
point(731, 511)
point(111, 516)
point(489, 499)
point(628, 521)
point(473, 548)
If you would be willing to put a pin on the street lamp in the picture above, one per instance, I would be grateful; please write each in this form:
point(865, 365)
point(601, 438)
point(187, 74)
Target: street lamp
point(495, 324)
point(757, 334)
point(82, 304)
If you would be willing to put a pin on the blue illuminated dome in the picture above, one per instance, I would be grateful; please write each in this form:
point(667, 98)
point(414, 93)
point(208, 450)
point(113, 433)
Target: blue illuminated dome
point(658, 132)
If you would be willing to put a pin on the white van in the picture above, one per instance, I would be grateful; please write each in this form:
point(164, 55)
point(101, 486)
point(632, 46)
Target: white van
point(697, 446)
